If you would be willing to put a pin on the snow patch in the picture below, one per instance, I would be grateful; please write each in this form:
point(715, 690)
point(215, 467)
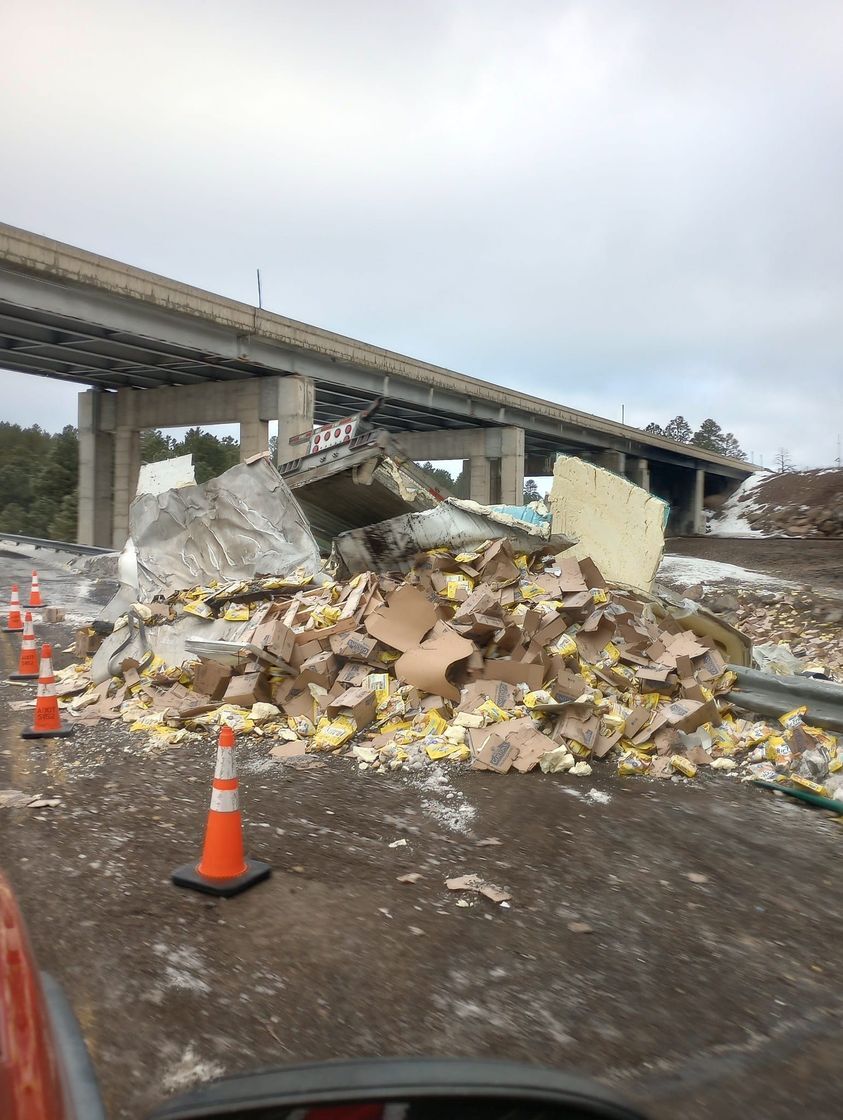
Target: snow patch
point(731, 520)
point(687, 570)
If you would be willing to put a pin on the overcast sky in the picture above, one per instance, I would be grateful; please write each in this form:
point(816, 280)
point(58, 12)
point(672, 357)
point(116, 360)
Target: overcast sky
point(604, 203)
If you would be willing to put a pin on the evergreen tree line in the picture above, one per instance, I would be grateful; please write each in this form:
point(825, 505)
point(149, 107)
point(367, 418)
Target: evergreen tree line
point(709, 435)
point(39, 473)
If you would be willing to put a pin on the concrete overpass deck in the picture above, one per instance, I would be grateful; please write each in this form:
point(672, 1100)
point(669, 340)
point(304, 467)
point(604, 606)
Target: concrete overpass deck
point(140, 338)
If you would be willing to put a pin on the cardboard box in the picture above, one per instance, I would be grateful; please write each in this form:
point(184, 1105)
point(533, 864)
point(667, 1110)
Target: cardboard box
point(87, 642)
point(211, 678)
point(497, 754)
point(323, 668)
point(354, 646)
point(359, 703)
point(273, 636)
point(303, 651)
point(248, 689)
point(53, 614)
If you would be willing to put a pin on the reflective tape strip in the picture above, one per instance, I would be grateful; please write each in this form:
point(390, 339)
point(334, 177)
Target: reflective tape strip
point(45, 688)
point(224, 801)
point(225, 763)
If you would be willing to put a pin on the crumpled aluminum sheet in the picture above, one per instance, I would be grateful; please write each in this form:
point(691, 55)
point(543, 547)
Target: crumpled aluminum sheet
point(241, 524)
point(455, 523)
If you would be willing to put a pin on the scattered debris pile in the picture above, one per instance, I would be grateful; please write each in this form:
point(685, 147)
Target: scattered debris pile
point(490, 657)
point(793, 631)
point(791, 504)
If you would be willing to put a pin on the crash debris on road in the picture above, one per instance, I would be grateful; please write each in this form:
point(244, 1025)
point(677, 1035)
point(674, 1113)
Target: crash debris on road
point(480, 637)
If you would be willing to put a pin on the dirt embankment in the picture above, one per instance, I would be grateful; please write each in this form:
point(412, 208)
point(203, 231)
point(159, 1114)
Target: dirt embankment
point(793, 504)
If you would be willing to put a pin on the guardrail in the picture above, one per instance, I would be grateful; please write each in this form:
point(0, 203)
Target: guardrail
point(57, 546)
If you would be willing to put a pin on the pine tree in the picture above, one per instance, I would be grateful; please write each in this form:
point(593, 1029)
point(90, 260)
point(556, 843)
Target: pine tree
point(709, 436)
point(731, 447)
point(679, 429)
point(531, 491)
point(655, 429)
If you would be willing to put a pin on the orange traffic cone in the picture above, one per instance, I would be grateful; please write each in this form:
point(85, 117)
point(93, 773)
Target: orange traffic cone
point(47, 719)
point(15, 622)
point(35, 599)
point(223, 869)
point(28, 661)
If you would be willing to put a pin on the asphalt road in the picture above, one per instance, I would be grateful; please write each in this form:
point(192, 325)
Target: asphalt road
point(709, 985)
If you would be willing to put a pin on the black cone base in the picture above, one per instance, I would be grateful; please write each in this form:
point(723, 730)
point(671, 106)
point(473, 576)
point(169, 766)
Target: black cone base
point(22, 677)
point(188, 876)
point(62, 733)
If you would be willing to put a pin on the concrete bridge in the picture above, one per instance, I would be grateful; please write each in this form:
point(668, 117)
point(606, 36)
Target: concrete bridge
point(149, 352)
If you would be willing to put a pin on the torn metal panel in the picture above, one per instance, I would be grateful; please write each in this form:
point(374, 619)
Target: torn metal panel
point(766, 694)
point(357, 483)
point(619, 525)
point(241, 524)
point(168, 474)
point(455, 524)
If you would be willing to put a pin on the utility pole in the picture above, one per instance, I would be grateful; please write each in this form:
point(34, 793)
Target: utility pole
point(260, 294)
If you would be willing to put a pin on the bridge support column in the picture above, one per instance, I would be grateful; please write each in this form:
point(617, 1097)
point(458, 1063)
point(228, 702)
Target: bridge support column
point(614, 461)
point(126, 470)
point(96, 465)
point(512, 466)
point(294, 408)
point(492, 457)
point(480, 479)
point(638, 471)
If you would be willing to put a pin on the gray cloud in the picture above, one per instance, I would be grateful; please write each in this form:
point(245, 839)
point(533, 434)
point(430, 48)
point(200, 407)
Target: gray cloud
point(605, 203)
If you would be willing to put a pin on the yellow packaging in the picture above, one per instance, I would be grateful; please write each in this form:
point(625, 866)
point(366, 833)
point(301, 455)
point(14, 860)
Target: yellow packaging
point(610, 655)
point(396, 724)
point(598, 595)
point(454, 751)
point(335, 733)
point(531, 591)
point(491, 712)
point(522, 561)
point(540, 696)
point(325, 616)
point(632, 766)
point(794, 718)
point(806, 783)
point(683, 765)
point(379, 684)
point(835, 764)
point(237, 612)
point(435, 724)
point(467, 557)
point(579, 750)
point(455, 583)
point(777, 751)
point(200, 609)
point(564, 647)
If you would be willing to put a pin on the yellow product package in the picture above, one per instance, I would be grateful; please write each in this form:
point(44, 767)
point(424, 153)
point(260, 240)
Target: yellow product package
point(379, 684)
point(610, 655)
point(564, 647)
point(440, 748)
point(467, 557)
point(491, 713)
point(599, 596)
point(806, 783)
point(631, 765)
point(396, 723)
point(456, 583)
point(200, 609)
point(236, 612)
point(333, 734)
point(540, 696)
point(531, 591)
point(683, 765)
point(579, 750)
point(325, 616)
point(435, 724)
point(794, 718)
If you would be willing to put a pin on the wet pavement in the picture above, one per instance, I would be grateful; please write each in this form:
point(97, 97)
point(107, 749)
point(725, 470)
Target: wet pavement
point(708, 985)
